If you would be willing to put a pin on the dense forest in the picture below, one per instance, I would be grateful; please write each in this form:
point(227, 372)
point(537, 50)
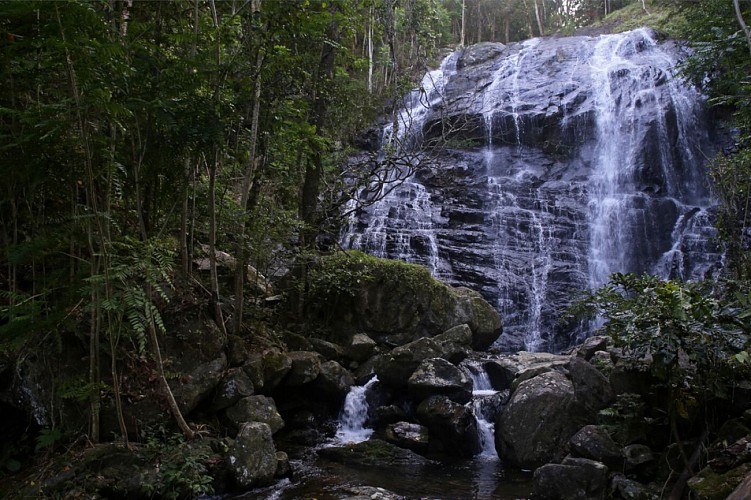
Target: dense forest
point(141, 137)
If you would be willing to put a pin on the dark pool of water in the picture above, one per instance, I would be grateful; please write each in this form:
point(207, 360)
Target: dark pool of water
point(478, 478)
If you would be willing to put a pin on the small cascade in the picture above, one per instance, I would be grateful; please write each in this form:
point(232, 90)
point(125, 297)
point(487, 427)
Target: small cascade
point(354, 415)
point(482, 392)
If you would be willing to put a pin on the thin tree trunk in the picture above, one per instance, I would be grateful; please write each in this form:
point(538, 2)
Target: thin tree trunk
point(464, 23)
point(94, 379)
point(241, 257)
point(538, 16)
point(169, 396)
point(742, 22)
point(218, 316)
point(370, 50)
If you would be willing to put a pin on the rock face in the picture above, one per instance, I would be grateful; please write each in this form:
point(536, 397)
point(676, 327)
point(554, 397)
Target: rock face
point(538, 421)
point(563, 153)
point(437, 376)
point(452, 425)
point(252, 458)
point(255, 409)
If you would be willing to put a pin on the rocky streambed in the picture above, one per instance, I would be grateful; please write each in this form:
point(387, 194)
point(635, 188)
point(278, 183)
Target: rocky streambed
point(588, 423)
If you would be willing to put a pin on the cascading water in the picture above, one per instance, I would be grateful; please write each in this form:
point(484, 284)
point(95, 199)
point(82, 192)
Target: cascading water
point(351, 427)
point(481, 392)
point(618, 204)
point(402, 222)
point(575, 158)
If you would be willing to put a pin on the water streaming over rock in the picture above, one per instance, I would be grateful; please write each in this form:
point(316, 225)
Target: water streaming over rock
point(481, 392)
point(565, 160)
point(351, 427)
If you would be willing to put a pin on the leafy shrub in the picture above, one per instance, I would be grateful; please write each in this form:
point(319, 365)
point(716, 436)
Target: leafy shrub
point(689, 339)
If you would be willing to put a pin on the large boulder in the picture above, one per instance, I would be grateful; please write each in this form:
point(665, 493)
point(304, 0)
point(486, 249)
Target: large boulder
point(360, 348)
point(234, 386)
point(255, 409)
point(592, 388)
point(395, 367)
point(506, 370)
point(333, 381)
point(276, 365)
point(373, 453)
point(574, 479)
point(436, 376)
point(189, 391)
point(252, 457)
point(306, 366)
point(538, 421)
point(455, 343)
point(408, 435)
point(452, 426)
point(394, 302)
point(594, 442)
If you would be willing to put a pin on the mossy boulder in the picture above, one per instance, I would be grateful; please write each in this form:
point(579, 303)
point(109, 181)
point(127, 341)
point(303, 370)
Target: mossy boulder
point(393, 302)
point(711, 485)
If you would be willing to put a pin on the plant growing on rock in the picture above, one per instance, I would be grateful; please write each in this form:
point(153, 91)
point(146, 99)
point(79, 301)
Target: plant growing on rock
point(685, 338)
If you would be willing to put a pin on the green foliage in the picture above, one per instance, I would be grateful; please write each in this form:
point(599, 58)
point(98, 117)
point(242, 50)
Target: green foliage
point(181, 466)
point(134, 284)
point(345, 274)
point(686, 338)
point(340, 278)
point(47, 439)
point(626, 419)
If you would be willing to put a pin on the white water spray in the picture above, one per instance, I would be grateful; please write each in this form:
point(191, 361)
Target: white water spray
point(482, 388)
point(354, 415)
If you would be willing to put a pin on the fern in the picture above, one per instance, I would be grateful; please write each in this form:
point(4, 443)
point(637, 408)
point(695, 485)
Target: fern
point(138, 276)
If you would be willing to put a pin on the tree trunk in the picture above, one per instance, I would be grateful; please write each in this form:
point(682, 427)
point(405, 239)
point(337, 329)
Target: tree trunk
point(370, 50)
point(241, 257)
point(742, 22)
point(314, 165)
point(464, 22)
point(214, 274)
point(174, 408)
point(538, 16)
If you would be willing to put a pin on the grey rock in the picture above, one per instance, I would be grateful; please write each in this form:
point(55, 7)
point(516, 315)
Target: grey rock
point(255, 409)
point(452, 426)
point(190, 391)
point(237, 352)
point(327, 349)
point(591, 345)
point(306, 366)
point(252, 457)
point(408, 435)
point(455, 343)
point(360, 348)
point(436, 376)
point(628, 489)
point(333, 380)
point(395, 367)
point(283, 468)
point(253, 367)
point(592, 387)
point(276, 365)
point(234, 386)
point(538, 421)
point(571, 480)
point(594, 442)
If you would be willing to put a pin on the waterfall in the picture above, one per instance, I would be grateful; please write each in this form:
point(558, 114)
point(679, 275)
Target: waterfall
point(627, 138)
point(574, 158)
point(481, 392)
point(351, 427)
